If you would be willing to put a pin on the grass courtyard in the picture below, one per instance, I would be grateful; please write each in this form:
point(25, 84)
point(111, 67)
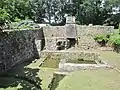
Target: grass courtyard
point(111, 58)
point(91, 80)
point(31, 76)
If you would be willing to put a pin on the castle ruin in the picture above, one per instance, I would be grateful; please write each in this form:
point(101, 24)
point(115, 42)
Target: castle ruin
point(20, 45)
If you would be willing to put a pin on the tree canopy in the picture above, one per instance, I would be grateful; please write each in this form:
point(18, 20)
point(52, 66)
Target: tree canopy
point(97, 12)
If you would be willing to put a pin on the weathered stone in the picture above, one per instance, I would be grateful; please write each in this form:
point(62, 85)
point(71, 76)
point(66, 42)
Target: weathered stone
point(69, 67)
point(71, 55)
point(19, 46)
point(83, 34)
point(71, 31)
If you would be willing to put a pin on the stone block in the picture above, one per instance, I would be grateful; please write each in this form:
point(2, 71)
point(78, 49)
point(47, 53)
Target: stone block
point(70, 20)
point(71, 31)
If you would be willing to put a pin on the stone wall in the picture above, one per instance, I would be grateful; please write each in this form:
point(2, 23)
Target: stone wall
point(18, 46)
point(54, 31)
point(82, 30)
point(83, 34)
point(72, 55)
point(69, 67)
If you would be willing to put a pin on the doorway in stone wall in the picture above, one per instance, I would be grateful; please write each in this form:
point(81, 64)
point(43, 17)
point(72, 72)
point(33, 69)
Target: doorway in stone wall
point(72, 42)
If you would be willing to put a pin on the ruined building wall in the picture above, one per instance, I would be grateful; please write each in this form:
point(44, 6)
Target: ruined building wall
point(52, 33)
point(18, 46)
point(21, 45)
point(84, 35)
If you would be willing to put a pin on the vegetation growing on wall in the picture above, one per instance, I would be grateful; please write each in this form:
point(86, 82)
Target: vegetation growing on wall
point(102, 39)
point(112, 40)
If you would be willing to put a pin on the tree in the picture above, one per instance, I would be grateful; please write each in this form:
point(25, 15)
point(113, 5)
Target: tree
point(37, 10)
point(4, 19)
point(98, 12)
point(114, 15)
point(47, 11)
point(17, 9)
point(91, 11)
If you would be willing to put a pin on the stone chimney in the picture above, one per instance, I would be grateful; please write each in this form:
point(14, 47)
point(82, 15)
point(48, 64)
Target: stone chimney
point(70, 27)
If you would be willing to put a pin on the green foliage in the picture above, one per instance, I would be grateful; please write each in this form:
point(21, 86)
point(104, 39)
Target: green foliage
point(87, 12)
point(4, 18)
point(17, 9)
point(90, 11)
point(49, 11)
point(37, 9)
point(115, 39)
point(109, 39)
point(14, 10)
point(102, 39)
point(23, 24)
point(97, 12)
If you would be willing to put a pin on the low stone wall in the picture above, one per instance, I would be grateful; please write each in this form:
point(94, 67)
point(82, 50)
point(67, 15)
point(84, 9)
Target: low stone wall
point(69, 67)
point(18, 46)
point(71, 55)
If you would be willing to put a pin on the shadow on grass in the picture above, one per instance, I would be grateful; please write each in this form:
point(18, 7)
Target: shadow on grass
point(55, 81)
point(21, 78)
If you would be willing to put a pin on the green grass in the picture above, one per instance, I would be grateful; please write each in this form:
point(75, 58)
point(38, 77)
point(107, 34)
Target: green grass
point(80, 80)
point(91, 80)
point(51, 62)
point(46, 74)
point(55, 81)
point(95, 79)
point(30, 70)
point(111, 58)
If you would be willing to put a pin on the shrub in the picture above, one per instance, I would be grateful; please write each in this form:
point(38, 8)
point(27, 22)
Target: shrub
point(102, 39)
point(115, 41)
point(112, 40)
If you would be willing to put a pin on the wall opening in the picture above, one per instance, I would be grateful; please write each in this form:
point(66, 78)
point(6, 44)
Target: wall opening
point(72, 42)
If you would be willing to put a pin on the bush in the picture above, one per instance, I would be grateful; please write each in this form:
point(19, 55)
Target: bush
point(112, 40)
point(24, 24)
point(102, 39)
point(115, 41)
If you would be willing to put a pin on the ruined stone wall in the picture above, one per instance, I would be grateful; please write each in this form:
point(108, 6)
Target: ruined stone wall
point(51, 34)
point(85, 35)
point(82, 30)
point(18, 46)
point(54, 31)
point(72, 55)
point(21, 45)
